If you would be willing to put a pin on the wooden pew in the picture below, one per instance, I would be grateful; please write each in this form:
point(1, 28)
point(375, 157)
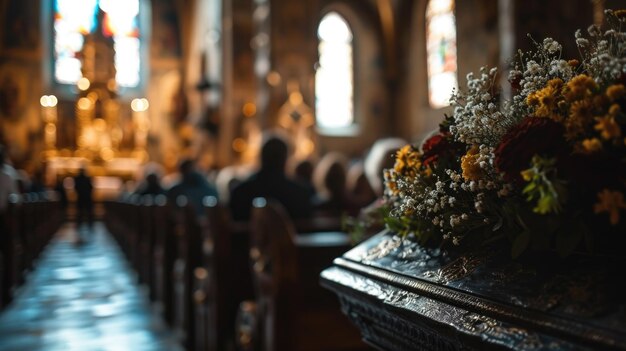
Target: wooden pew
point(26, 227)
point(292, 312)
point(164, 255)
point(223, 279)
point(189, 237)
point(145, 240)
point(12, 247)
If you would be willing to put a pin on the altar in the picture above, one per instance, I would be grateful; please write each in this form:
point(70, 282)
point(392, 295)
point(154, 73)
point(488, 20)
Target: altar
point(110, 129)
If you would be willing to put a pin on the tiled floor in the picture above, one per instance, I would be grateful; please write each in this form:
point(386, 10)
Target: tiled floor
point(82, 297)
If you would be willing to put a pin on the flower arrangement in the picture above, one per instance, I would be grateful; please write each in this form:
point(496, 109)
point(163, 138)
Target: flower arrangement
point(544, 169)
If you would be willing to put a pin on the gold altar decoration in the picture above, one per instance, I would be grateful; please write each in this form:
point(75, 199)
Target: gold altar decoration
point(111, 135)
point(296, 117)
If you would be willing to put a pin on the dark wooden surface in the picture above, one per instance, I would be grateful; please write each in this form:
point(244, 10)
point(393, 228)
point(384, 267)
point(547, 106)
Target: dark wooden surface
point(405, 297)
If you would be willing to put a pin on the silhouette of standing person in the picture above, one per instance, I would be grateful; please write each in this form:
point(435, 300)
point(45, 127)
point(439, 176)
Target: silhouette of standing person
point(84, 199)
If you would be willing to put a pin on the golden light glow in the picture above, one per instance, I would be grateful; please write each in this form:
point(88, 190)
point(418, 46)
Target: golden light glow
point(84, 103)
point(99, 125)
point(107, 154)
point(240, 145)
point(308, 146)
point(273, 78)
point(48, 101)
point(249, 109)
point(140, 105)
point(50, 129)
point(295, 98)
point(83, 84)
point(112, 85)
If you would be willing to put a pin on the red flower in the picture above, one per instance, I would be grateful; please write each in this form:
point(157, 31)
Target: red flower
point(433, 147)
point(533, 136)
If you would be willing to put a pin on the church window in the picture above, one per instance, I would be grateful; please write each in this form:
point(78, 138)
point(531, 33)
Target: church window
point(74, 19)
point(334, 87)
point(441, 51)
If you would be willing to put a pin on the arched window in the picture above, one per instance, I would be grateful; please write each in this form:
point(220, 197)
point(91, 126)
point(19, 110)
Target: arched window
point(441, 49)
point(115, 19)
point(334, 85)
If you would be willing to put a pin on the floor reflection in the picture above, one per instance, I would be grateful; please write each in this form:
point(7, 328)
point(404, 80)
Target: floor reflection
point(82, 296)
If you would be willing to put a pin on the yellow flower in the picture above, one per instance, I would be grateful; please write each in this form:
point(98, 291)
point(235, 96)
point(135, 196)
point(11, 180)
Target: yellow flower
point(580, 115)
point(614, 110)
point(579, 87)
point(600, 101)
point(470, 166)
point(611, 202)
point(616, 91)
point(573, 63)
point(407, 161)
point(545, 99)
point(607, 127)
point(427, 172)
point(527, 174)
point(592, 145)
point(555, 83)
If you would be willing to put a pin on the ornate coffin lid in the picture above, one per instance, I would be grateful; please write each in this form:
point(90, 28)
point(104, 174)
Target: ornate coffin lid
point(483, 297)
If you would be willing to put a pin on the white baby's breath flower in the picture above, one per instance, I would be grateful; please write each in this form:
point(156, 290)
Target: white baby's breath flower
point(551, 45)
point(582, 42)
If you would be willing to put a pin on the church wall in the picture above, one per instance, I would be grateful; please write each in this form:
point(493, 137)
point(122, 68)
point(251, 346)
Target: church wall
point(20, 80)
point(165, 77)
point(477, 45)
point(372, 101)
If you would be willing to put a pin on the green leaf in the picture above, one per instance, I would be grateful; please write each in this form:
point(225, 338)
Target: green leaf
point(520, 244)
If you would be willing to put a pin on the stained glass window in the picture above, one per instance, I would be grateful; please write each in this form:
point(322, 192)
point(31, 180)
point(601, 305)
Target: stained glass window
point(74, 19)
point(334, 77)
point(441, 49)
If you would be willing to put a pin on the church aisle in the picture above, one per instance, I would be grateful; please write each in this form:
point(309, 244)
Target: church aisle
point(82, 297)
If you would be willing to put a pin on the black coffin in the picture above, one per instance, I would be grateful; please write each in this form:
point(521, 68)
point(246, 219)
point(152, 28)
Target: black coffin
point(406, 297)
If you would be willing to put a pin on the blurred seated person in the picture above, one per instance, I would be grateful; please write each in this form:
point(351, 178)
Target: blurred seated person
point(228, 178)
point(150, 186)
point(330, 182)
point(303, 173)
point(193, 185)
point(381, 156)
point(38, 184)
point(358, 187)
point(61, 193)
point(271, 182)
point(8, 184)
point(23, 181)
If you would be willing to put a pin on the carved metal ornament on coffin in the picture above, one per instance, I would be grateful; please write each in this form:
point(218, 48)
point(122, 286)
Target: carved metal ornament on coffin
point(406, 297)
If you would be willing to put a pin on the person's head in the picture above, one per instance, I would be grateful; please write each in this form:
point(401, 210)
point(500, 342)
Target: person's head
point(274, 153)
point(303, 171)
point(357, 183)
point(186, 167)
point(330, 175)
point(152, 180)
point(381, 157)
